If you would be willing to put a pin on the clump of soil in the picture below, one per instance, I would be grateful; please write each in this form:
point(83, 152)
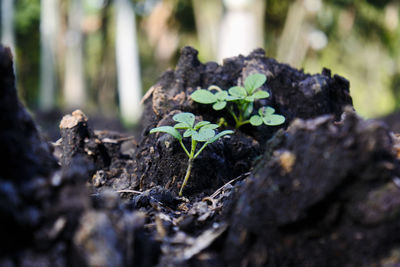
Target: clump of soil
point(292, 94)
point(327, 189)
point(323, 184)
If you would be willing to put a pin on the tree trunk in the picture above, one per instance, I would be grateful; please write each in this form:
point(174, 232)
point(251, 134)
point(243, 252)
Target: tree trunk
point(48, 38)
point(127, 57)
point(7, 24)
point(74, 88)
point(207, 15)
point(241, 28)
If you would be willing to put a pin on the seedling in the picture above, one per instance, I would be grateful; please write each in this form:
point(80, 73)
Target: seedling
point(243, 98)
point(203, 131)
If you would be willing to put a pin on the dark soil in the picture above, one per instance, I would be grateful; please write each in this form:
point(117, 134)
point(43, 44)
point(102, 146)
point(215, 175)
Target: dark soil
point(320, 190)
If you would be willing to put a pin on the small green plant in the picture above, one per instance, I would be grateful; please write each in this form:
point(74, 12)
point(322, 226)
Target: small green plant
point(243, 98)
point(202, 131)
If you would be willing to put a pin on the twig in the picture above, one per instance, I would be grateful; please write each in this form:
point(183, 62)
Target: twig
point(115, 141)
point(129, 191)
point(147, 94)
point(231, 181)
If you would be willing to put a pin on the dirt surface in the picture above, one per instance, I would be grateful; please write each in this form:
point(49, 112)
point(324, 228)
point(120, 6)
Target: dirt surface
point(320, 190)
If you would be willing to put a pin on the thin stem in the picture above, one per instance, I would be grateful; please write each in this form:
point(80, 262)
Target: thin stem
point(201, 149)
point(185, 180)
point(184, 148)
point(242, 123)
point(233, 115)
point(193, 149)
point(211, 87)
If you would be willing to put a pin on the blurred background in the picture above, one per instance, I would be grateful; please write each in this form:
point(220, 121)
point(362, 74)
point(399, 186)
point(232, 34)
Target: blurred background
point(103, 55)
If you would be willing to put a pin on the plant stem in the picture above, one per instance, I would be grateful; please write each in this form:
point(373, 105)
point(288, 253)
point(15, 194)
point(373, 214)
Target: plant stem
point(201, 149)
point(184, 148)
point(211, 87)
point(242, 123)
point(188, 170)
point(191, 156)
point(234, 117)
point(193, 149)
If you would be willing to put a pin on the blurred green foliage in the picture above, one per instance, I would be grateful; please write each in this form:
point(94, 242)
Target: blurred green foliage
point(27, 24)
point(362, 46)
point(367, 52)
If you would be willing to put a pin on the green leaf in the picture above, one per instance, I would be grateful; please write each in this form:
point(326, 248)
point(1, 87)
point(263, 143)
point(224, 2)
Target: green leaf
point(238, 91)
point(254, 81)
point(249, 98)
point(181, 125)
point(203, 96)
point(169, 130)
point(201, 124)
point(265, 111)
point(211, 126)
point(189, 132)
point(203, 135)
point(221, 95)
point(185, 117)
point(273, 119)
point(269, 111)
point(232, 98)
point(256, 120)
point(219, 105)
point(248, 111)
point(260, 94)
point(218, 136)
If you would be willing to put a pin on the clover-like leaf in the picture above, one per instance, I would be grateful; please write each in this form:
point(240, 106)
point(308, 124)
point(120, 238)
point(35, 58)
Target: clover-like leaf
point(181, 125)
point(264, 111)
point(185, 117)
point(238, 91)
point(219, 105)
point(260, 94)
point(203, 96)
point(269, 118)
point(254, 81)
point(201, 124)
point(169, 130)
point(219, 135)
point(203, 135)
point(221, 95)
point(269, 111)
point(211, 126)
point(273, 119)
point(232, 98)
point(189, 132)
point(256, 120)
point(249, 98)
